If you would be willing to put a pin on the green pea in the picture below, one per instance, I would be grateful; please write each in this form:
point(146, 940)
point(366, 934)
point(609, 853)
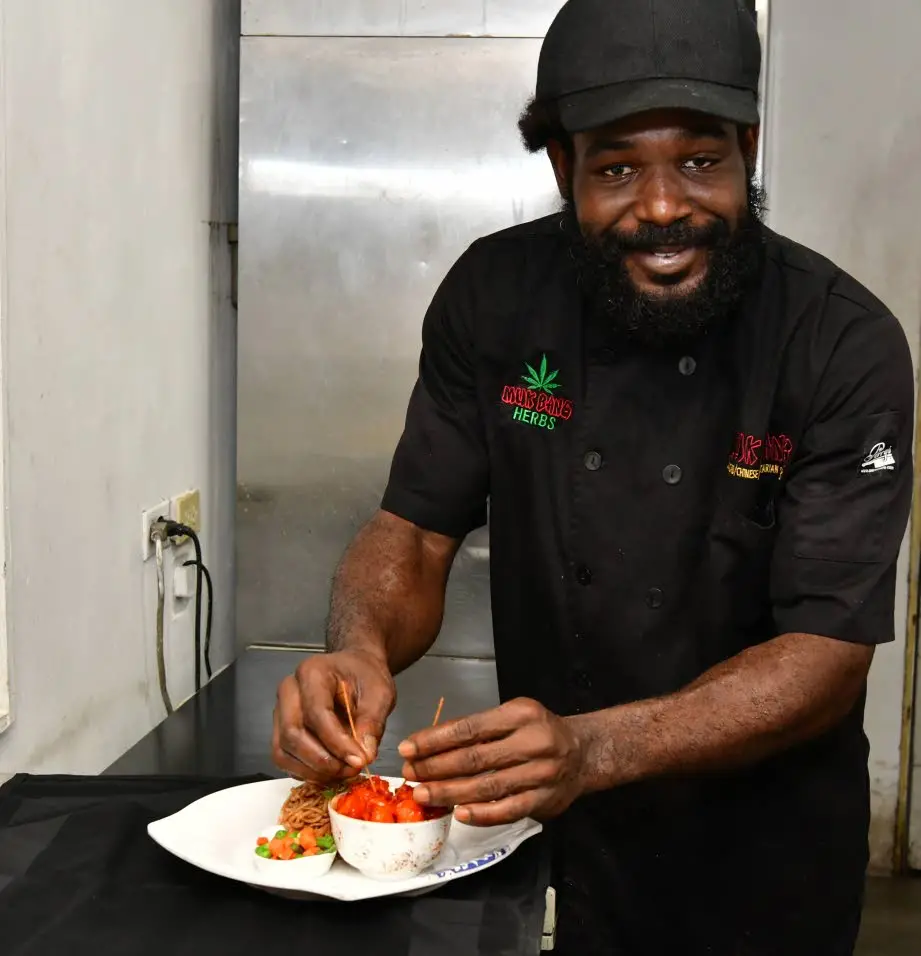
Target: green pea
point(281, 834)
point(264, 852)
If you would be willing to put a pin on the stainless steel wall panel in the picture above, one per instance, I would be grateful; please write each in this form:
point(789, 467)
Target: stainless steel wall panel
point(479, 18)
point(367, 166)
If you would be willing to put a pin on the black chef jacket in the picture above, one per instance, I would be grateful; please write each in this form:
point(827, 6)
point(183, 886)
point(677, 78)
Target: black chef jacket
point(652, 514)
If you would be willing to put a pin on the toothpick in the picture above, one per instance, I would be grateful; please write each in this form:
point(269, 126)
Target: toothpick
point(343, 689)
point(441, 704)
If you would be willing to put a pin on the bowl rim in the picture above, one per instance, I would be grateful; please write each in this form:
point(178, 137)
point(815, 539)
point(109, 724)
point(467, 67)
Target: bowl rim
point(310, 868)
point(298, 859)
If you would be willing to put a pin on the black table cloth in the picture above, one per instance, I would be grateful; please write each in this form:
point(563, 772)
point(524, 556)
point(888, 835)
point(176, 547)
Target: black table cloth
point(79, 875)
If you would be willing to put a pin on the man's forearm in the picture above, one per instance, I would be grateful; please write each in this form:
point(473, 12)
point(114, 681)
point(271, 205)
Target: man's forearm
point(765, 700)
point(388, 592)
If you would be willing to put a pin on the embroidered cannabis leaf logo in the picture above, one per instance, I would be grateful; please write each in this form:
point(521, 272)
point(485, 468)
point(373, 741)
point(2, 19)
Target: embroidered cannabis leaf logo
point(540, 381)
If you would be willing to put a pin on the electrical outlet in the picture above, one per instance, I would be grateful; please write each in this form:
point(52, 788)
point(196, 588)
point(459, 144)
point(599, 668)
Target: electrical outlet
point(148, 517)
point(186, 509)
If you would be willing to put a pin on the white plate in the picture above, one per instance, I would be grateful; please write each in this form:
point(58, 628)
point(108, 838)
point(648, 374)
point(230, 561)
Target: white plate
point(218, 834)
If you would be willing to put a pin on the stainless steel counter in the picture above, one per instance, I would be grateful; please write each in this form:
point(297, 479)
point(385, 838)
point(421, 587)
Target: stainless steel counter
point(226, 729)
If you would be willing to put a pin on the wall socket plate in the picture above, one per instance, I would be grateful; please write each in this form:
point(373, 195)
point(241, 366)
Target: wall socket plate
point(186, 509)
point(148, 517)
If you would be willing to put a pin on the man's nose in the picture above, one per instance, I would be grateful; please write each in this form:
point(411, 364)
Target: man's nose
point(662, 198)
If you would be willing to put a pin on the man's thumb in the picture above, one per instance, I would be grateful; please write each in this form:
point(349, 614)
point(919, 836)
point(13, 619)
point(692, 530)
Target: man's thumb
point(369, 726)
point(369, 743)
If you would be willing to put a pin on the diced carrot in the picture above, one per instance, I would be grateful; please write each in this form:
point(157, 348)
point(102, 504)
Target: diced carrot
point(262, 841)
point(308, 838)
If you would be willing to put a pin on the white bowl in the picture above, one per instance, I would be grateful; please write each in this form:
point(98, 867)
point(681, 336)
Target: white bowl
point(306, 867)
point(389, 851)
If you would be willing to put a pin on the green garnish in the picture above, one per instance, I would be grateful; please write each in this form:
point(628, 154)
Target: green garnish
point(335, 790)
point(326, 843)
point(281, 834)
point(264, 852)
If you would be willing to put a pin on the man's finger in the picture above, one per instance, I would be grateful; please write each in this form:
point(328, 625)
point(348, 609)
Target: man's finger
point(478, 728)
point(308, 759)
point(318, 689)
point(282, 759)
point(294, 749)
point(294, 767)
point(510, 810)
point(487, 787)
point(469, 761)
point(373, 707)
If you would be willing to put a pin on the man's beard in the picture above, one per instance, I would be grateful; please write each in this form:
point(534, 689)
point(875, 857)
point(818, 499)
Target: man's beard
point(669, 319)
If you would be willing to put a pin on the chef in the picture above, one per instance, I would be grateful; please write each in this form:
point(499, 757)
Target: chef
point(694, 437)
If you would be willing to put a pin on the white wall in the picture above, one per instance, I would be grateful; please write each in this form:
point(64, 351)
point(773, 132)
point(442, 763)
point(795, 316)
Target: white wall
point(844, 168)
point(4, 651)
point(119, 352)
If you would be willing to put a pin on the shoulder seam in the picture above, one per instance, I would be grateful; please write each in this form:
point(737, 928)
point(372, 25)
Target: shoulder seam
point(834, 293)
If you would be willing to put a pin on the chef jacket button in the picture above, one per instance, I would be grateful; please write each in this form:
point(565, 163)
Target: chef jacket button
point(584, 575)
point(593, 460)
point(671, 474)
point(655, 598)
point(687, 365)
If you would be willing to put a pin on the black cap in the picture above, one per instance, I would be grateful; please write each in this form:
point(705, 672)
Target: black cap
point(603, 60)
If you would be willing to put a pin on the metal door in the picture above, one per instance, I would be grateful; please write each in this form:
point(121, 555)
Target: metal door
point(368, 163)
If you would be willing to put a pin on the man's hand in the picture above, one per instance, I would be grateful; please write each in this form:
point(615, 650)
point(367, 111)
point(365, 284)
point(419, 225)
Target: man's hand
point(311, 739)
point(518, 760)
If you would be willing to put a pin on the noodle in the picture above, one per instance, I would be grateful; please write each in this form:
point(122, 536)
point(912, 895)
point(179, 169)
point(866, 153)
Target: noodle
point(306, 806)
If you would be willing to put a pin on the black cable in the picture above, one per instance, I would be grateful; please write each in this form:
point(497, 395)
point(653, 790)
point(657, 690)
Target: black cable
point(207, 574)
point(176, 530)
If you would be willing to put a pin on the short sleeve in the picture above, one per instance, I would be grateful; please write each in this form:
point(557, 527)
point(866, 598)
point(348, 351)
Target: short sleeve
point(845, 508)
point(439, 479)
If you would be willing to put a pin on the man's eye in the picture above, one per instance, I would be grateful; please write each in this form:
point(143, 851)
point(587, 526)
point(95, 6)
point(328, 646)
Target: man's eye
point(699, 162)
point(618, 171)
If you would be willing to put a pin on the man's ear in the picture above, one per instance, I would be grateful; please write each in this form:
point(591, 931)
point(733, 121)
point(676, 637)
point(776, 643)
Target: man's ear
point(561, 160)
point(749, 137)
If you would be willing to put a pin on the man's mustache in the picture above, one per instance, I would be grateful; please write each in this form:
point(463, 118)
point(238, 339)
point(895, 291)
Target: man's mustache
point(649, 237)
